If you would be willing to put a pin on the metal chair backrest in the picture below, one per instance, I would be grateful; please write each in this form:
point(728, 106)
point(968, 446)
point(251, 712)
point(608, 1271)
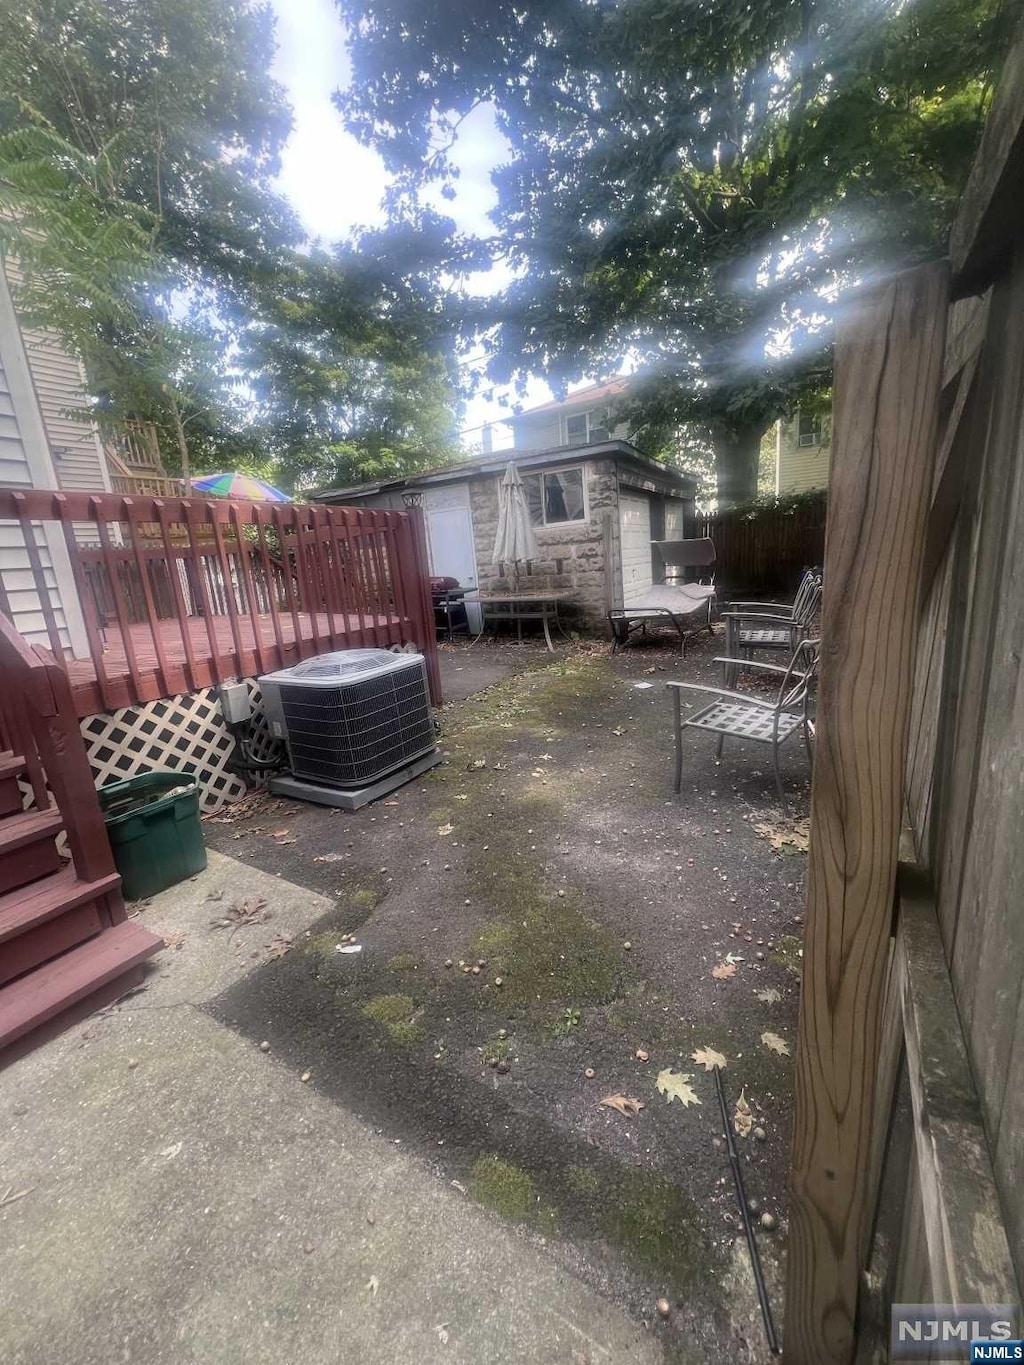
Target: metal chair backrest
point(808, 598)
point(677, 555)
point(802, 670)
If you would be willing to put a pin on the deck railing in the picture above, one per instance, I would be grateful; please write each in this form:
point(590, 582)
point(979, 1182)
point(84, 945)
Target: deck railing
point(181, 593)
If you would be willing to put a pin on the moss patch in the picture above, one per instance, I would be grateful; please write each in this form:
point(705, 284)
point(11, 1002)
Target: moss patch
point(790, 953)
point(505, 1188)
point(363, 898)
point(403, 962)
point(583, 1180)
point(397, 1014)
point(653, 1219)
point(548, 949)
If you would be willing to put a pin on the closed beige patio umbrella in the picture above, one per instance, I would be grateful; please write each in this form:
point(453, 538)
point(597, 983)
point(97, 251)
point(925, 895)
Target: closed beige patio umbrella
point(515, 542)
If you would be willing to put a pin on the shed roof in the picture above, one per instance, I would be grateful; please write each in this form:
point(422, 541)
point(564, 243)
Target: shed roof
point(634, 468)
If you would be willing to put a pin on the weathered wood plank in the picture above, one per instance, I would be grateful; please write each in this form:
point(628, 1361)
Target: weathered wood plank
point(965, 331)
point(925, 712)
point(968, 1254)
point(996, 453)
point(991, 215)
point(888, 374)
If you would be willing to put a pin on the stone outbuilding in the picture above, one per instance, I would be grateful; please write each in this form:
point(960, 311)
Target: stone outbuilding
point(595, 508)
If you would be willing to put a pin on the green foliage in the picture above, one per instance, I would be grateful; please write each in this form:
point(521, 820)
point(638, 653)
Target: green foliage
point(695, 187)
point(139, 141)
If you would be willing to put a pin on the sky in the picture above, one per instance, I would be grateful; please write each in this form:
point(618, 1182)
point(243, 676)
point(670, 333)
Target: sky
point(336, 184)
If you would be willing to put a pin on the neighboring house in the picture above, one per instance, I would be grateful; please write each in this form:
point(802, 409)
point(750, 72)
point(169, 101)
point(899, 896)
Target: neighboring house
point(803, 451)
point(583, 418)
point(595, 507)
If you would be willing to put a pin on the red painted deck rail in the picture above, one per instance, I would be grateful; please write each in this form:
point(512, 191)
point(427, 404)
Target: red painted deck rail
point(179, 594)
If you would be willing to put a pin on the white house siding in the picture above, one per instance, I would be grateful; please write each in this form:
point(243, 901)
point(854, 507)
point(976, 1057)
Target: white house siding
point(546, 430)
point(74, 444)
point(635, 531)
point(25, 462)
point(19, 583)
point(799, 469)
point(538, 433)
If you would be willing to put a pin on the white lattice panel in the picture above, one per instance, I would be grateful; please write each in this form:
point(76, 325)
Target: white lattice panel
point(173, 733)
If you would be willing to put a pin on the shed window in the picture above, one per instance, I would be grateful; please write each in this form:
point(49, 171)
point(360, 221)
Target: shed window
point(555, 497)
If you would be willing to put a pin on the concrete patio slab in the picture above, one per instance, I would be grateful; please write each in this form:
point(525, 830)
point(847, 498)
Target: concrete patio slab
point(187, 1198)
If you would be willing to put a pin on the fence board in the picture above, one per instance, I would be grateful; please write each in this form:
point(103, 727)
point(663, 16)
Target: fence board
point(766, 549)
point(888, 372)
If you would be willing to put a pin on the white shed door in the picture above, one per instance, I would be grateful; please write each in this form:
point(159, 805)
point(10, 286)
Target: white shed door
point(635, 530)
point(450, 533)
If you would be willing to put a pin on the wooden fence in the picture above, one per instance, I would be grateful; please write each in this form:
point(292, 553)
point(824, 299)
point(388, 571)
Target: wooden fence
point(909, 1125)
point(180, 594)
point(765, 549)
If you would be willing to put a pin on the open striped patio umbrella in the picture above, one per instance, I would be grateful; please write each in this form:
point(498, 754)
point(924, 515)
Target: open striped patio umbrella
point(245, 486)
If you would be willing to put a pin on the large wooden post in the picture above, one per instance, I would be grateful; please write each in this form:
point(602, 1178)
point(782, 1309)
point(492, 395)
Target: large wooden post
point(888, 368)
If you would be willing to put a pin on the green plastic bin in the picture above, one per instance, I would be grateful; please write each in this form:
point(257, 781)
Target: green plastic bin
point(155, 832)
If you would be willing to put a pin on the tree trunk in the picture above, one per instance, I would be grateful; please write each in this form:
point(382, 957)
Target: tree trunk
point(179, 431)
point(737, 454)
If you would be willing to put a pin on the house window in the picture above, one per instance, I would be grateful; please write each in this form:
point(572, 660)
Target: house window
point(555, 497)
point(808, 429)
point(586, 428)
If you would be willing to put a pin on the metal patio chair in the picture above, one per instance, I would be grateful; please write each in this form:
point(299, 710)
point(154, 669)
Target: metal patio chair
point(745, 716)
point(752, 626)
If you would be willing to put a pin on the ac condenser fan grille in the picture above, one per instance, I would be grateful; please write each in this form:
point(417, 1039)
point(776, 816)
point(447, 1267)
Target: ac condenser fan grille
point(349, 734)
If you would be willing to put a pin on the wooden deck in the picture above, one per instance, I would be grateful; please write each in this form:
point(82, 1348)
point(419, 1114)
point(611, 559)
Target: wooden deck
point(217, 649)
point(174, 595)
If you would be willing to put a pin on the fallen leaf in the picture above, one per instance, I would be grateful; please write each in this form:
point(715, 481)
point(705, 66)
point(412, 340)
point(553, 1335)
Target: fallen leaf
point(442, 1333)
point(389, 803)
point(278, 946)
point(733, 958)
point(769, 995)
point(279, 843)
point(445, 829)
point(280, 833)
point(786, 836)
point(774, 1043)
point(172, 940)
point(618, 730)
point(623, 1104)
point(742, 1119)
point(477, 764)
point(676, 1085)
point(329, 858)
point(708, 1058)
point(373, 1284)
point(251, 911)
point(724, 971)
point(462, 797)
point(215, 896)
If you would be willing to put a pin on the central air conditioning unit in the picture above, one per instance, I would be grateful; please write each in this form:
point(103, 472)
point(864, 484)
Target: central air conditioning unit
point(357, 725)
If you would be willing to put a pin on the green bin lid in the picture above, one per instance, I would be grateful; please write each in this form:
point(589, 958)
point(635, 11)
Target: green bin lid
point(118, 800)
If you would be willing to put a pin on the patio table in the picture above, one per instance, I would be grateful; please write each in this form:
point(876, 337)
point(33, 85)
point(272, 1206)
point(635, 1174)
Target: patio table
point(523, 606)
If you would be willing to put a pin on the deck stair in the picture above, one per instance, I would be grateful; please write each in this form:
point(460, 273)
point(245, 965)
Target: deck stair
point(67, 946)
